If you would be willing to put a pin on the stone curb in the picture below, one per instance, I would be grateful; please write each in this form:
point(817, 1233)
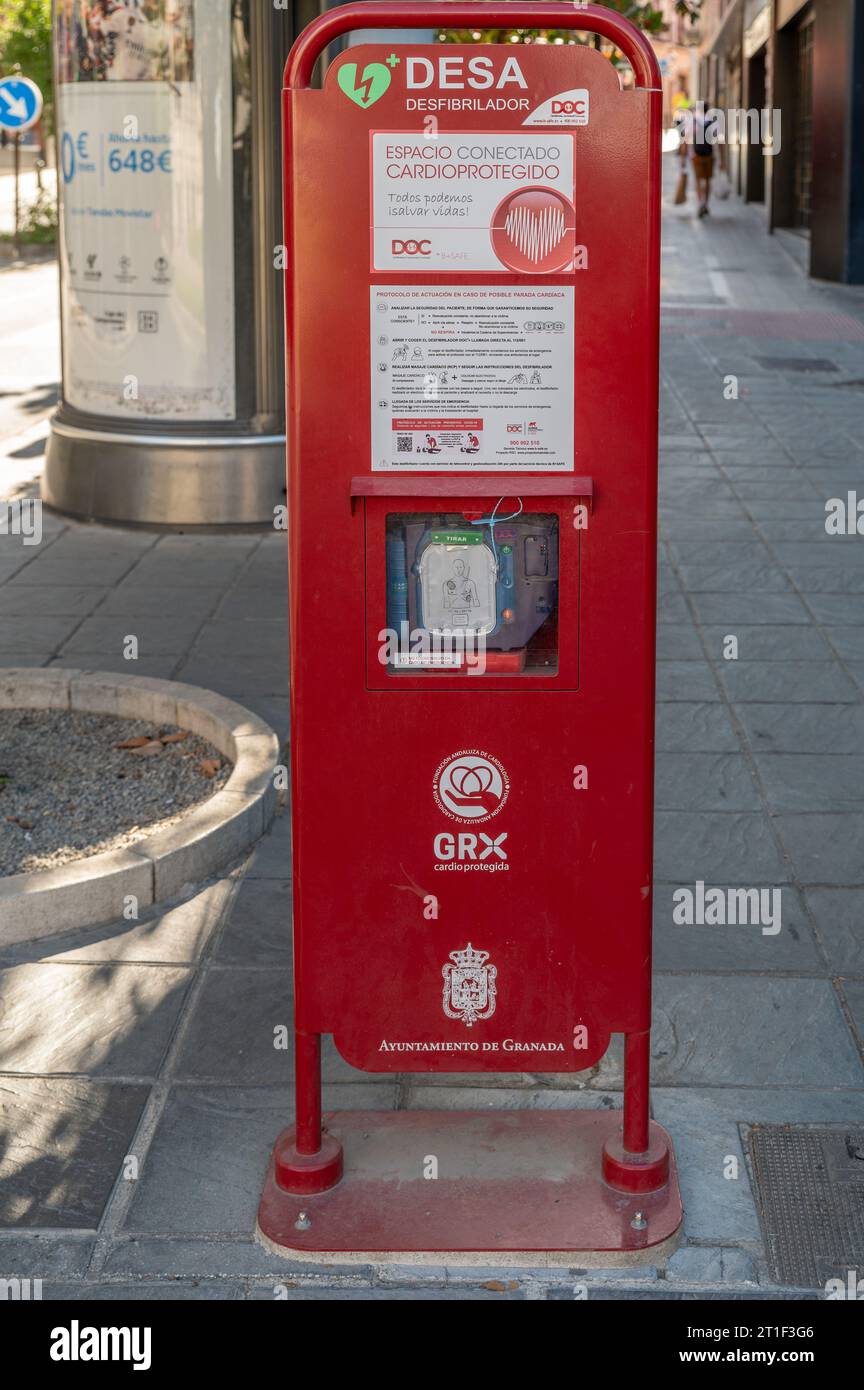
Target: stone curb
point(166, 863)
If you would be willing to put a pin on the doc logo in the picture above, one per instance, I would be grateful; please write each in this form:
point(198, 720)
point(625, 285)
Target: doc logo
point(470, 786)
point(469, 986)
point(566, 109)
point(411, 248)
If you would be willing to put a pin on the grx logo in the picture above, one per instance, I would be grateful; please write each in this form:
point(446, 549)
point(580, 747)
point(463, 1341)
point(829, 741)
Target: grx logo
point(411, 248)
point(466, 845)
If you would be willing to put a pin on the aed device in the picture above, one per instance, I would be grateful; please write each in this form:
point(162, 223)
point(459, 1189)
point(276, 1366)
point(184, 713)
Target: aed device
point(493, 584)
point(472, 307)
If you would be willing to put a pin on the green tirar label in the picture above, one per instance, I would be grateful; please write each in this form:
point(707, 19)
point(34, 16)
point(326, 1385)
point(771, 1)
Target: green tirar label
point(456, 538)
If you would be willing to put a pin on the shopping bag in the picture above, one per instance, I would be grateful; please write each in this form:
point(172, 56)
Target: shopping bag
point(681, 188)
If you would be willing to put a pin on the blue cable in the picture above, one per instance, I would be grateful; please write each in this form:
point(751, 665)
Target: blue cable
point(492, 521)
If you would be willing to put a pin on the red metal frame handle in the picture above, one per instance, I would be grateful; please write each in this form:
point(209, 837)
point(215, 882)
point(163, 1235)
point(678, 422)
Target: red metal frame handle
point(509, 14)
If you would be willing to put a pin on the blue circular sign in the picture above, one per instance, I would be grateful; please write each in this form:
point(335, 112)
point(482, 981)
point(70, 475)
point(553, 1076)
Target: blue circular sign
point(20, 103)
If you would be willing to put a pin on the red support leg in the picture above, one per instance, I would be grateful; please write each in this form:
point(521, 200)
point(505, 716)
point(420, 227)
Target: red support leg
point(637, 1159)
point(307, 1160)
point(307, 1108)
point(637, 1064)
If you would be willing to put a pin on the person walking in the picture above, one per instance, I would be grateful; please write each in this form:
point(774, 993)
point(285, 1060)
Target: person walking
point(704, 137)
point(679, 125)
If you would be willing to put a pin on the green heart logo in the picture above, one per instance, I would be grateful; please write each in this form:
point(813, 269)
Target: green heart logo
point(372, 85)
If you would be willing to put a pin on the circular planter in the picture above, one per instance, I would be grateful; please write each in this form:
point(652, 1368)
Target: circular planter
point(167, 863)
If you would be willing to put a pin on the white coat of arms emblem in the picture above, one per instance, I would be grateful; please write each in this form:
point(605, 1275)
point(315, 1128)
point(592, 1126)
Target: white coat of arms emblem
point(469, 986)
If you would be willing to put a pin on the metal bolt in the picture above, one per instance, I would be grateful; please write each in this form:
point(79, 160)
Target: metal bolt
point(639, 1223)
point(302, 1223)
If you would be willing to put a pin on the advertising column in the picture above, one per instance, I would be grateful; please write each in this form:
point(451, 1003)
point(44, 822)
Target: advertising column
point(148, 115)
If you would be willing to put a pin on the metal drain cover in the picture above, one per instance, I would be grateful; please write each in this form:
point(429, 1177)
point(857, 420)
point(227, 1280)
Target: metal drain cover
point(809, 1183)
point(797, 364)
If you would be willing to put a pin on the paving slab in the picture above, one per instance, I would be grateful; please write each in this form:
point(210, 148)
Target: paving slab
point(90, 565)
point(731, 609)
point(822, 578)
point(838, 914)
point(100, 1019)
point(837, 608)
point(853, 994)
point(130, 600)
point(769, 642)
point(692, 681)
point(824, 847)
point(169, 1291)
point(716, 847)
point(718, 1199)
point(35, 634)
point(236, 1026)
point(62, 601)
point(168, 633)
point(678, 642)
point(812, 781)
point(266, 674)
point(739, 947)
point(249, 637)
point(740, 578)
point(205, 1167)
point(847, 641)
point(161, 667)
point(706, 781)
point(717, 553)
point(695, 727)
point(270, 603)
point(259, 930)
point(810, 682)
point(750, 1030)
point(803, 728)
point(272, 858)
point(46, 1256)
point(63, 1141)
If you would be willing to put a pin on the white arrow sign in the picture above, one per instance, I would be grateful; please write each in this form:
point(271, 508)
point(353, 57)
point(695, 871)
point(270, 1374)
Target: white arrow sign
point(15, 106)
point(20, 103)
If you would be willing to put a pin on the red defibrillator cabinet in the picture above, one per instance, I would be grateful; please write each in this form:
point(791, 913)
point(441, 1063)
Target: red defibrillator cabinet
point(472, 309)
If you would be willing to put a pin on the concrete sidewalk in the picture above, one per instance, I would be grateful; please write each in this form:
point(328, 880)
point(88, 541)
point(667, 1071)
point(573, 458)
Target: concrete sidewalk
point(29, 367)
point(155, 1041)
point(28, 191)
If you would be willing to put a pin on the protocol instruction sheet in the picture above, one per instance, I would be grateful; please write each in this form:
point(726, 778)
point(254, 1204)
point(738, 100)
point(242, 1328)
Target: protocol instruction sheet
point(472, 377)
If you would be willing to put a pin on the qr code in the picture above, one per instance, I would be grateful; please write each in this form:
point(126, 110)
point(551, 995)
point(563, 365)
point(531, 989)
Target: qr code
point(148, 321)
point(403, 444)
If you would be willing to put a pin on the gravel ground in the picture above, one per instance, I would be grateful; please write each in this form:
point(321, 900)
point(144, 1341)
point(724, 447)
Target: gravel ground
point(67, 791)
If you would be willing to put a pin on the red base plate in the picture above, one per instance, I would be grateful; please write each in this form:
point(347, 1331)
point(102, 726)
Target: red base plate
point(508, 1182)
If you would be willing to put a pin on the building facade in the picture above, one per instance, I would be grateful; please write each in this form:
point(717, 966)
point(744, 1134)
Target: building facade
point(803, 62)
